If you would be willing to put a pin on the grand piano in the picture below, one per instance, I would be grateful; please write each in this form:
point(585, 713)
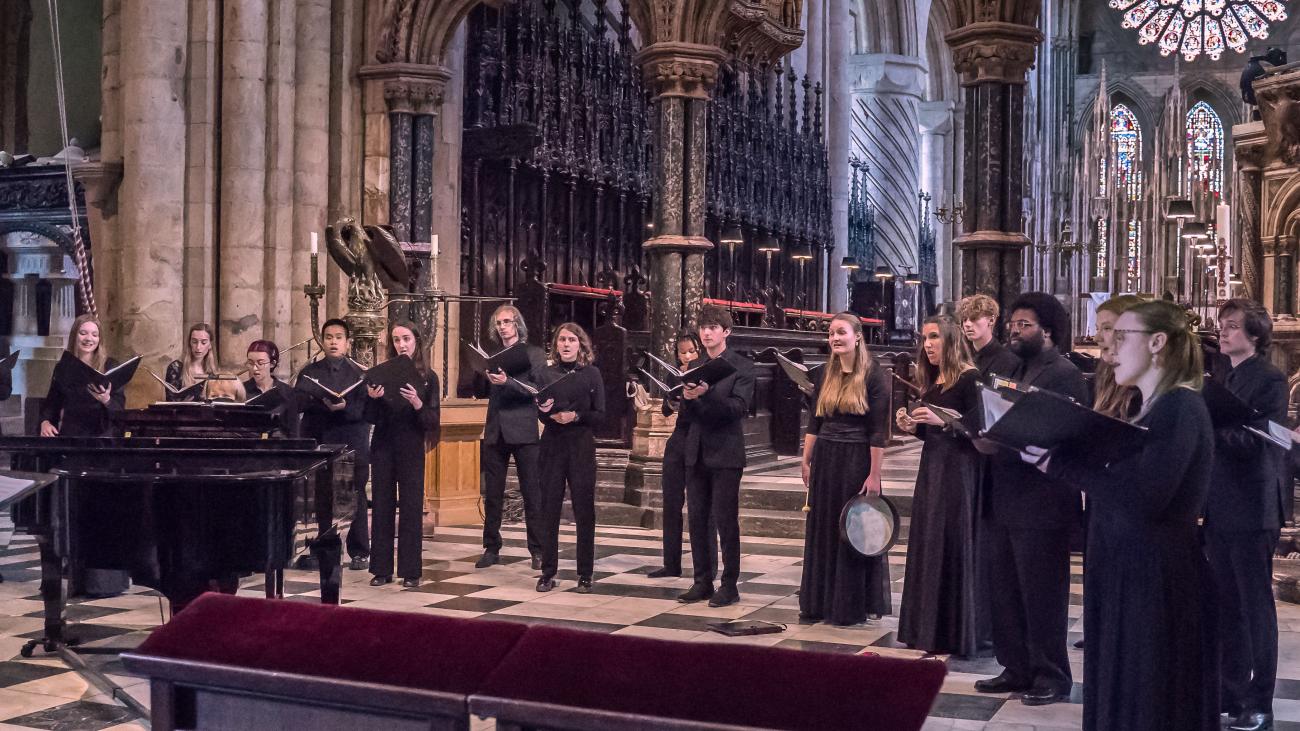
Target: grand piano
point(180, 511)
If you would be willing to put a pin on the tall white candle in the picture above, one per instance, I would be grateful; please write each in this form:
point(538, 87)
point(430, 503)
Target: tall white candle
point(435, 246)
point(313, 242)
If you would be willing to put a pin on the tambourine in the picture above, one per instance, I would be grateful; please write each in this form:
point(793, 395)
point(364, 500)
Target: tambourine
point(869, 524)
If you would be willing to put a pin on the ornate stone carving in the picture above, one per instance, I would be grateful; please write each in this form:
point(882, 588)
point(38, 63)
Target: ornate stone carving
point(681, 69)
point(991, 52)
point(1279, 107)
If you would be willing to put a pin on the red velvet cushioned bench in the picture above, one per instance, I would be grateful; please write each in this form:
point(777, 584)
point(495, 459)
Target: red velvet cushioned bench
point(561, 679)
point(235, 662)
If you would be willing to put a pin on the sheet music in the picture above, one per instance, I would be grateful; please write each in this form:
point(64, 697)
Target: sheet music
point(995, 407)
point(1276, 434)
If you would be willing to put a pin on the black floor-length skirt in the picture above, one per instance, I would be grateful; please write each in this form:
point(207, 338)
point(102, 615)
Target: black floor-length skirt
point(839, 584)
point(938, 612)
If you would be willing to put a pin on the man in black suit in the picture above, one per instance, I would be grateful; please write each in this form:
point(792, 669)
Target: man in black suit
point(511, 431)
point(715, 460)
point(1025, 525)
point(1243, 517)
point(978, 314)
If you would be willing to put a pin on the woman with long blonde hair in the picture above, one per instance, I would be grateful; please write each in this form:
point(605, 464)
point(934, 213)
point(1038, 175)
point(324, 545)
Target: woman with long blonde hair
point(196, 363)
point(1108, 397)
point(940, 611)
point(842, 455)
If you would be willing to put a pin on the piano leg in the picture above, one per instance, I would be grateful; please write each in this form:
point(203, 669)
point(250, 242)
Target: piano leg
point(328, 551)
point(275, 584)
point(51, 595)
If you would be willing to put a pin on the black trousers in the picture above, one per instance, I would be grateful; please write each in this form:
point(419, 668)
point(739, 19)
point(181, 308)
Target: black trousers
point(399, 490)
point(357, 437)
point(1028, 572)
point(713, 495)
point(673, 483)
point(494, 459)
point(568, 457)
point(1242, 563)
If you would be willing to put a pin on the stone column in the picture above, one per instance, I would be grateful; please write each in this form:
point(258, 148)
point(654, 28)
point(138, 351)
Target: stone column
point(242, 250)
point(310, 162)
point(890, 87)
point(151, 201)
point(993, 59)
point(682, 76)
point(936, 125)
point(839, 125)
point(399, 95)
point(1249, 140)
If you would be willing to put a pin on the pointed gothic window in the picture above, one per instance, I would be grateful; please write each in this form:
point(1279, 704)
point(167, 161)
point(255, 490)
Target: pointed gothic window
point(1121, 181)
point(1205, 149)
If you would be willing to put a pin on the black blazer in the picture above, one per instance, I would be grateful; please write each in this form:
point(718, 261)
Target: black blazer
point(995, 360)
point(335, 373)
point(1247, 489)
point(512, 412)
point(588, 400)
point(74, 411)
point(716, 434)
point(1020, 496)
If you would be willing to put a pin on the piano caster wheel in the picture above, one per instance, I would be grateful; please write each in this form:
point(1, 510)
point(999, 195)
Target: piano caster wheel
point(29, 648)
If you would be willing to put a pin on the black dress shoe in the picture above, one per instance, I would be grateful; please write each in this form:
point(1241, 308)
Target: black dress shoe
point(726, 596)
point(359, 563)
point(546, 583)
point(410, 583)
point(1044, 695)
point(537, 563)
point(488, 558)
point(584, 585)
point(1252, 721)
point(1078, 644)
point(1001, 684)
point(697, 593)
point(381, 580)
point(660, 573)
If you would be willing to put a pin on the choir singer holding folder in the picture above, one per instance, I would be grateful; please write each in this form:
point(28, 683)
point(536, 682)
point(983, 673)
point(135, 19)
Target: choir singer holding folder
point(1149, 650)
point(1243, 517)
point(1026, 523)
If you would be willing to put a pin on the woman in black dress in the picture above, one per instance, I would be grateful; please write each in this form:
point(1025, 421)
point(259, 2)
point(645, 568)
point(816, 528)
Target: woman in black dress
point(842, 455)
point(397, 449)
point(568, 451)
point(940, 607)
point(263, 359)
point(1150, 660)
point(74, 409)
point(196, 363)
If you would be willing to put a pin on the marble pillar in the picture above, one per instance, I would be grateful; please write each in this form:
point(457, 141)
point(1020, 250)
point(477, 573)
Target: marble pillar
point(681, 76)
point(241, 256)
point(1249, 145)
point(993, 59)
point(936, 127)
point(888, 89)
point(839, 134)
point(148, 291)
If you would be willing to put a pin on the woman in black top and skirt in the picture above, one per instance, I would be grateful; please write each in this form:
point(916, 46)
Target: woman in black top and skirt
point(1150, 658)
point(842, 455)
point(263, 359)
point(568, 451)
point(397, 449)
point(940, 603)
point(74, 409)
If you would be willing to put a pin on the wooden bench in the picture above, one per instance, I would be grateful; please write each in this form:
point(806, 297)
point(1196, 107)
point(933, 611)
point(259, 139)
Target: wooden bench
point(233, 663)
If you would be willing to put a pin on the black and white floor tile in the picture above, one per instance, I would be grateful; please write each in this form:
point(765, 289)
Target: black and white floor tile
point(40, 693)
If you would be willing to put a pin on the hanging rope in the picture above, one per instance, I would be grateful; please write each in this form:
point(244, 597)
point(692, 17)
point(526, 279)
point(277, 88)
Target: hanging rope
point(85, 291)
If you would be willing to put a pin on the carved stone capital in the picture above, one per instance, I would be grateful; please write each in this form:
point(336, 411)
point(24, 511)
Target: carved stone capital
point(679, 244)
point(681, 69)
point(992, 52)
point(409, 88)
point(99, 180)
point(991, 240)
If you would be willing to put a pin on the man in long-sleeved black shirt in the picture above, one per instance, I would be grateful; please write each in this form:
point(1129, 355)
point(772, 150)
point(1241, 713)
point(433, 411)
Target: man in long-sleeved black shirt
point(978, 314)
point(341, 422)
point(1243, 518)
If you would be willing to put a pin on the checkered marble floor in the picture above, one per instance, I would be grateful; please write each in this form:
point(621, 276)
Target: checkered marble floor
point(42, 693)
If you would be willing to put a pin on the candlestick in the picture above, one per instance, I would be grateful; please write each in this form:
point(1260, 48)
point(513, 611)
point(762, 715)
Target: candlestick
point(313, 246)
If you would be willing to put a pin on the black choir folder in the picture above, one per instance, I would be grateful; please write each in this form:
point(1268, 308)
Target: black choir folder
point(315, 389)
point(83, 374)
point(804, 376)
point(562, 390)
point(393, 374)
point(194, 391)
point(1015, 419)
point(710, 372)
point(1226, 409)
point(512, 361)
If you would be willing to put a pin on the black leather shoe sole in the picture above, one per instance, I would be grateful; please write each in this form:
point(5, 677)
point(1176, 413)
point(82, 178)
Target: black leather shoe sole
point(998, 685)
point(1044, 699)
point(584, 586)
point(381, 580)
point(488, 559)
point(545, 583)
point(696, 594)
point(1252, 722)
point(359, 564)
point(724, 599)
point(410, 583)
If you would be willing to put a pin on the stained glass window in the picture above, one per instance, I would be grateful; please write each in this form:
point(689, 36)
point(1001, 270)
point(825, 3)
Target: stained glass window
point(1193, 27)
point(1205, 148)
point(1134, 255)
point(1124, 171)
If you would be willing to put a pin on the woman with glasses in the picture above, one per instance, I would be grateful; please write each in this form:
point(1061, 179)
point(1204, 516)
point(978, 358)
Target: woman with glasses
point(263, 359)
point(1150, 657)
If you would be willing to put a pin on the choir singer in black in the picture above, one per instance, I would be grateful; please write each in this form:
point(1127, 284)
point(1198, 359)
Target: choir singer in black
point(397, 450)
point(511, 431)
point(331, 421)
point(843, 453)
point(715, 459)
point(1243, 518)
point(1026, 525)
point(978, 314)
point(568, 449)
point(1149, 651)
point(262, 359)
